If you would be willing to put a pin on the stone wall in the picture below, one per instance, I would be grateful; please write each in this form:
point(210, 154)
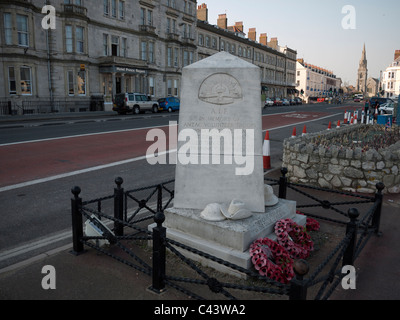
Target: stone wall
point(341, 168)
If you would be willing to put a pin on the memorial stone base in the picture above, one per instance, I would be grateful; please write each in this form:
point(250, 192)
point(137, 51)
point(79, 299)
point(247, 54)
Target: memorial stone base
point(227, 240)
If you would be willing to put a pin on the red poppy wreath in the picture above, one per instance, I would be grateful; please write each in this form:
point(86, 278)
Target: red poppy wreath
point(294, 238)
point(312, 224)
point(271, 260)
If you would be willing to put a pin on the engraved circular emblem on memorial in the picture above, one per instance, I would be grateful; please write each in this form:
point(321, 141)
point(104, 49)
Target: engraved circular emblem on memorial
point(220, 89)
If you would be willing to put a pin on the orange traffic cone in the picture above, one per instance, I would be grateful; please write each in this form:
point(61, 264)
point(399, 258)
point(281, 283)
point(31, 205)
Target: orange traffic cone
point(338, 124)
point(294, 133)
point(304, 131)
point(345, 117)
point(267, 152)
point(330, 125)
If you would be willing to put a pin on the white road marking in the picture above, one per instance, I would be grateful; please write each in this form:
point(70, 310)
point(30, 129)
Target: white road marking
point(74, 173)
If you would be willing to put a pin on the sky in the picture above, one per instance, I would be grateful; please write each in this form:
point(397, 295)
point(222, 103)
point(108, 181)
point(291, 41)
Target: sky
point(314, 28)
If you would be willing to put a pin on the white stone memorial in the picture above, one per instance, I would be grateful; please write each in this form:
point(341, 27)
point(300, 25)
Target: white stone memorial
point(219, 171)
point(220, 101)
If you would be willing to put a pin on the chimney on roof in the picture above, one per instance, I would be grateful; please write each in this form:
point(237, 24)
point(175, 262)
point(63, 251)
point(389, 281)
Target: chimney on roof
point(263, 39)
point(202, 12)
point(273, 43)
point(252, 34)
point(222, 21)
point(239, 26)
point(396, 54)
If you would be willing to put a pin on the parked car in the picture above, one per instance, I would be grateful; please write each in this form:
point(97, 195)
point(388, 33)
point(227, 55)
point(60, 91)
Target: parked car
point(124, 103)
point(285, 102)
point(277, 102)
point(292, 102)
point(357, 99)
point(380, 101)
point(298, 100)
point(268, 103)
point(169, 104)
point(387, 108)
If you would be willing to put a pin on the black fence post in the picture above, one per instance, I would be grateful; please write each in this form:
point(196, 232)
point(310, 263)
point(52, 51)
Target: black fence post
point(77, 224)
point(298, 287)
point(119, 207)
point(376, 219)
point(283, 183)
point(159, 249)
point(351, 229)
point(159, 198)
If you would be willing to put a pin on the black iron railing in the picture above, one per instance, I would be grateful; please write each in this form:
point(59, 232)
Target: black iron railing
point(149, 203)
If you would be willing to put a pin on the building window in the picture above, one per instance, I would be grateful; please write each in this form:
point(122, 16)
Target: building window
point(105, 45)
point(146, 17)
point(171, 3)
point(207, 41)
point(68, 39)
point(121, 9)
point(233, 49)
point(168, 25)
point(81, 83)
point(151, 52)
point(169, 57)
point(12, 83)
point(114, 46)
point(169, 87)
point(7, 28)
point(26, 82)
point(176, 57)
point(70, 80)
point(175, 87)
point(106, 7)
point(151, 86)
point(185, 58)
point(201, 41)
point(114, 8)
point(80, 40)
point(123, 47)
point(22, 28)
point(143, 50)
point(191, 57)
point(214, 43)
point(171, 25)
point(142, 16)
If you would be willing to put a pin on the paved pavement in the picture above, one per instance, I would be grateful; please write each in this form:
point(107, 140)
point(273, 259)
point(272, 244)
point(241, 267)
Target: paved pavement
point(95, 276)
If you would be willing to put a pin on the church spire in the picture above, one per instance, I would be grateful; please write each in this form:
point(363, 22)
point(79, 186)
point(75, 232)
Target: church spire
point(363, 61)
point(362, 75)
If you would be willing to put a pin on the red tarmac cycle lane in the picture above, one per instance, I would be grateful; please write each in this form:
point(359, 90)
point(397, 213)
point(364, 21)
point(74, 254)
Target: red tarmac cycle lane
point(36, 160)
